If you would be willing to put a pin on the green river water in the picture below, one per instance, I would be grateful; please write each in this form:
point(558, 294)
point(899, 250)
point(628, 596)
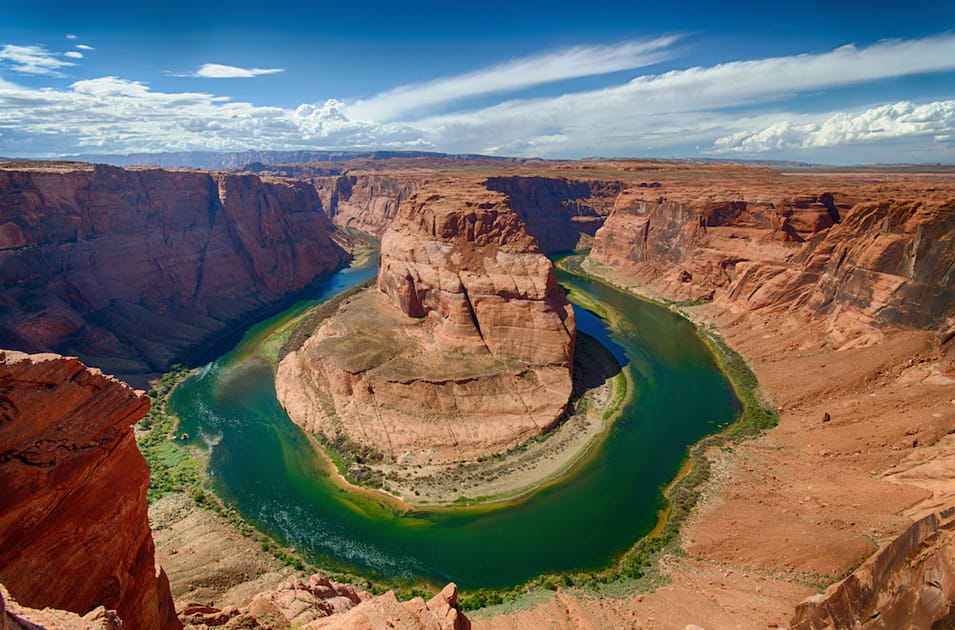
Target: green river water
point(267, 469)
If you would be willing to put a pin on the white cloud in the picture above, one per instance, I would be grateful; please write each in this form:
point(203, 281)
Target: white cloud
point(32, 60)
point(664, 114)
point(84, 47)
point(579, 61)
point(935, 121)
point(71, 36)
point(220, 71)
point(73, 54)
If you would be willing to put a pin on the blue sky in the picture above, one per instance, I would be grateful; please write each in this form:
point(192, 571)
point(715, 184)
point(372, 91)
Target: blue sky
point(835, 82)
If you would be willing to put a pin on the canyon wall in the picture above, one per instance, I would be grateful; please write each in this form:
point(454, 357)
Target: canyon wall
point(859, 267)
point(560, 213)
point(367, 201)
point(74, 532)
point(465, 350)
point(131, 269)
point(909, 583)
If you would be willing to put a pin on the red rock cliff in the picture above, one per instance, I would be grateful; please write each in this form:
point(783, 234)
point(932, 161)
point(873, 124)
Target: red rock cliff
point(74, 532)
point(869, 265)
point(131, 269)
point(560, 213)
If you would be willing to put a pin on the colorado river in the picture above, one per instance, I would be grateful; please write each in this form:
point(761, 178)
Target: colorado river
point(265, 467)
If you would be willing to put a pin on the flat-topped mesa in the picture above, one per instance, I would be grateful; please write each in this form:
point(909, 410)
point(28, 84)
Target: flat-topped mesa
point(465, 351)
point(470, 262)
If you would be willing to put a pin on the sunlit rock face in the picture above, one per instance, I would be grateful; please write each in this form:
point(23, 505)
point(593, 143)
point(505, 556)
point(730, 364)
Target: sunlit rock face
point(464, 350)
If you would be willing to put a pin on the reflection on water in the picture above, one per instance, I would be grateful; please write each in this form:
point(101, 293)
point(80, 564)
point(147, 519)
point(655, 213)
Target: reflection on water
point(266, 467)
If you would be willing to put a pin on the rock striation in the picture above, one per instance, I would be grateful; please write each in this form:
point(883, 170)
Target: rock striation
point(561, 213)
point(365, 201)
point(859, 267)
point(909, 583)
point(74, 531)
point(465, 350)
point(133, 269)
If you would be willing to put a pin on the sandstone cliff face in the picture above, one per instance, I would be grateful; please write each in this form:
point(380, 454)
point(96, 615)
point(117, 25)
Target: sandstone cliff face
point(560, 213)
point(367, 201)
point(131, 269)
point(907, 585)
point(466, 351)
point(871, 265)
point(74, 532)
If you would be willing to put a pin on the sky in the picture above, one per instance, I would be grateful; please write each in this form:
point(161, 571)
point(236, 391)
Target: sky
point(827, 82)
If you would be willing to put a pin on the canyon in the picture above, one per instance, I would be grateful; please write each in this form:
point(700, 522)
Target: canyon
point(837, 289)
point(134, 270)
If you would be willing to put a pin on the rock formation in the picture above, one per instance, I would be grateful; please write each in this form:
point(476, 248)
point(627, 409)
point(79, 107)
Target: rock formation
point(16, 617)
point(320, 604)
point(366, 201)
point(560, 213)
point(466, 350)
point(74, 532)
point(132, 269)
point(908, 584)
point(869, 264)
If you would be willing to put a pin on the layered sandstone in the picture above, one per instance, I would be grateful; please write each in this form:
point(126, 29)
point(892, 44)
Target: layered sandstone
point(466, 350)
point(133, 269)
point(561, 213)
point(365, 201)
point(909, 583)
point(860, 267)
point(74, 532)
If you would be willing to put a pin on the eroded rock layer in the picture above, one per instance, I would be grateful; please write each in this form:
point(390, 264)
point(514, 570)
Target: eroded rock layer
point(910, 583)
point(466, 351)
point(561, 213)
point(129, 269)
point(74, 532)
point(859, 267)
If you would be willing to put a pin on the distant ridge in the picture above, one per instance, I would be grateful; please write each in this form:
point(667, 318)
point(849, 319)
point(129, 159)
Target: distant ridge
point(213, 160)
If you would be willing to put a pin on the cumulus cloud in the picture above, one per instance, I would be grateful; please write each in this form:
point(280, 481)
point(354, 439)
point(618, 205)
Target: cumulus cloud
point(579, 61)
point(221, 71)
point(721, 108)
point(935, 121)
point(110, 114)
point(32, 60)
point(73, 54)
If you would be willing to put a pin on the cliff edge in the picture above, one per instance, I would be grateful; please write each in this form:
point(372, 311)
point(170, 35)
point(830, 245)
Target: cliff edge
point(74, 531)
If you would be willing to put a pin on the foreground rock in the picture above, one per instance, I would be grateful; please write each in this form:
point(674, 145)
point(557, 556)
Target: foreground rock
point(466, 351)
point(130, 269)
point(910, 583)
point(74, 532)
point(320, 604)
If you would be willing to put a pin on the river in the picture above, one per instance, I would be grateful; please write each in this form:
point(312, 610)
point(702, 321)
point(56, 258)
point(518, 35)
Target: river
point(267, 469)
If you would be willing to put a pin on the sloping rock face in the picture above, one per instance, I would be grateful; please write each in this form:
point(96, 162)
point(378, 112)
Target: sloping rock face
point(560, 213)
point(367, 201)
point(466, 351)
point(74, 531)
point(910, 583)
point(862, 267)
point(130, 269)
point(16, 617)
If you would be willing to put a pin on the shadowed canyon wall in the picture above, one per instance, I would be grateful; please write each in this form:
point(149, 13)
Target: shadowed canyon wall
point(131, 269)
point(74, 532)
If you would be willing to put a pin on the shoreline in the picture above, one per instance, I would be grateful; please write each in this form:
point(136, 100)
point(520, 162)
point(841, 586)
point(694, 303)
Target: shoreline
point(507, 477)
